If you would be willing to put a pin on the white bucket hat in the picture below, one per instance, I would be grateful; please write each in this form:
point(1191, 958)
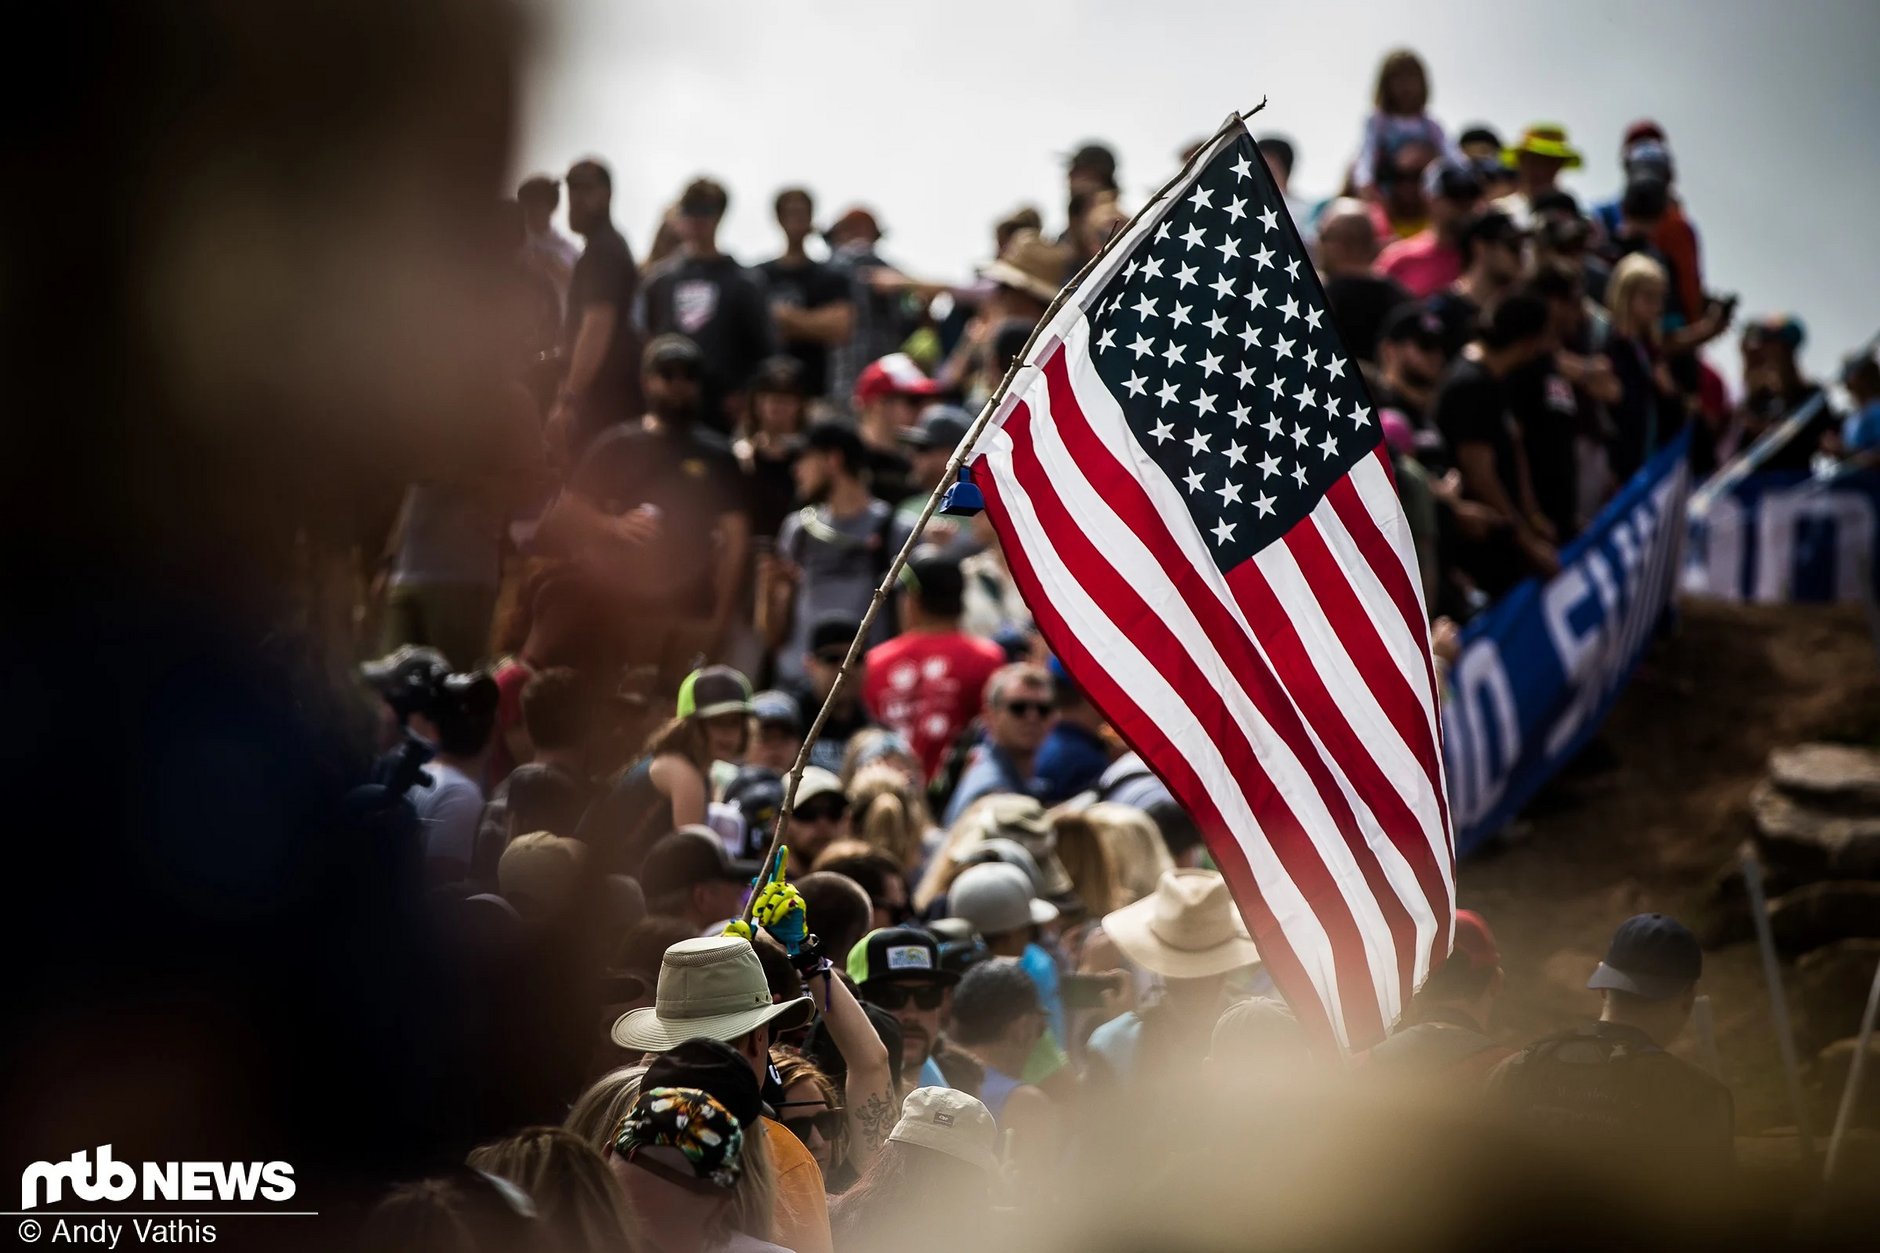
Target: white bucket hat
point(949, 1122)
point(1188, 928)
point(712, 987)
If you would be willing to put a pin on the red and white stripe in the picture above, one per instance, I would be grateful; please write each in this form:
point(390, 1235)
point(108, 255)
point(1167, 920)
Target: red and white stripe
point(1289, 704)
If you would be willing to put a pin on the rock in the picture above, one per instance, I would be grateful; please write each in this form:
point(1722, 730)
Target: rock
point(1829, 987)
point(1722, 915)
point(1832, 1065)
point(1836, 776)
point(1822, 913)
point(1812, 842)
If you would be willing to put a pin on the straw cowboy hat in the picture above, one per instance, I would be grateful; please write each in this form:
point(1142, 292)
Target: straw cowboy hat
point(1544, 139)
point(1030, 265)
point(714, 987)
point(1187, 928)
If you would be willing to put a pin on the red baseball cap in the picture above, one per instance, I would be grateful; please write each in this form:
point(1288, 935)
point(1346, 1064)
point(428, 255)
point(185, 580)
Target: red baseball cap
point(1642, 129)
point(1474, 941)
point(893, 375)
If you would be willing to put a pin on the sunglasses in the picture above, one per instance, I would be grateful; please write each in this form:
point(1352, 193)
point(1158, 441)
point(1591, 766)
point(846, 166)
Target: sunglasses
point(828, 1121)
point(822, 811)
point(892, 996)
point(1028, 708)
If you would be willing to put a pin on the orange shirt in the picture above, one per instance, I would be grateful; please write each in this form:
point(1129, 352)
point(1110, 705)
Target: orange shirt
point(801, 1219)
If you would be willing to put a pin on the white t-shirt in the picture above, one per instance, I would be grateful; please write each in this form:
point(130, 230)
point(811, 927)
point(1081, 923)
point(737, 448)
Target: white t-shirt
point(448, 811)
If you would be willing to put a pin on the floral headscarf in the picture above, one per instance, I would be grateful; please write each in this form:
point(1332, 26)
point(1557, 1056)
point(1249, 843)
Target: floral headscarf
point(691, 1121)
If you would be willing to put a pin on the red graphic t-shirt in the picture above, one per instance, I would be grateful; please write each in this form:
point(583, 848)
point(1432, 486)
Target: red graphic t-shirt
point(928, 687)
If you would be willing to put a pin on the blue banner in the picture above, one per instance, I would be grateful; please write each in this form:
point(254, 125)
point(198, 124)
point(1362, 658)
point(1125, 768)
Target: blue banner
point(1784, 536)
point(1541, 667)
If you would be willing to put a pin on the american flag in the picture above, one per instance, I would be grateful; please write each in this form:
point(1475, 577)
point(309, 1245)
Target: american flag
point(1189, 486)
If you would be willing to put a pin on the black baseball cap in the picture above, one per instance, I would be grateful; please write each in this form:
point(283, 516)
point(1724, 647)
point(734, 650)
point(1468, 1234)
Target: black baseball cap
point(713, 1067)
point(689, 856)
point(757, 793)
point(940, 426)
point(673, 349)
point(1651, 955)
point(1412, 321)
point(832, 630)
point(773, 707)
point(898, 955)
point(935, 581)
point(1095, 157)
point(779, 375)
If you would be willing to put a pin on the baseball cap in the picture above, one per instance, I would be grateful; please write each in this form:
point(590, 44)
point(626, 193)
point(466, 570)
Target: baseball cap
point(896, 955)
point(713, 691)
point(833, 631)
point(691, 855)
point(940, 426)
point(936, 581)
point(1016, 819)
point(817, 782)
point(712, 1067)
point(1474, 941)
point(996, 898)
point(1094, 157)
point(893, 375)
point(773, 706)
point(779, 374)
point(1452, 180)
point(1412, 322)
point(672, 349)
point(538, 873)
point(757, 793)
point(949, 1122)
point(1651, 955)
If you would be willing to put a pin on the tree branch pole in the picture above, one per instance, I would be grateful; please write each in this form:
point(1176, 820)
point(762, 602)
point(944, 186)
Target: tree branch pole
point(947, 479)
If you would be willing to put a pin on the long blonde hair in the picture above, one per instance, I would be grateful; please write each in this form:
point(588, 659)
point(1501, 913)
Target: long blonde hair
point(598, 1111)
point(1086, 859)
point(1137, 854)
point(888, 813)
point(1633, 273)
point(753, 1206)
point(573, 1189)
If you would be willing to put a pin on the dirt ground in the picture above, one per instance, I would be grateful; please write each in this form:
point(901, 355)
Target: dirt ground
point(1647, 816)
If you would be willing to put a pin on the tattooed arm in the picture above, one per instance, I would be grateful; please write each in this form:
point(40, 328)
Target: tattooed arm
point(868, 1092)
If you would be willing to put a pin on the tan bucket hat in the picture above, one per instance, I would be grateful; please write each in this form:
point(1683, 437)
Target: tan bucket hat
point(1188, 928)
point(949, 1122)
point(712, 987)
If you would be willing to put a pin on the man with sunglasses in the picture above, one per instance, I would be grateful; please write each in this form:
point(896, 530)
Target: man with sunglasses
point(898, 969)
point(1021, 706)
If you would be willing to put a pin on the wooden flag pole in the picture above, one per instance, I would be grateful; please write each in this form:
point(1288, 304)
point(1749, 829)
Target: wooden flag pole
point(947, 479)
point(1850, 1095)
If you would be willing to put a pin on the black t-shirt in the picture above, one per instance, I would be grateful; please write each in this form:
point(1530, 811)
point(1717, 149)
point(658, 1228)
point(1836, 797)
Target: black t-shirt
point(810, 285)
point(606, 275)
point(715, 303)
point(1549, 415)
point(771, 487)
point(690, 479)
point(1472, 408)
point(1359, 304)
point(626, 820)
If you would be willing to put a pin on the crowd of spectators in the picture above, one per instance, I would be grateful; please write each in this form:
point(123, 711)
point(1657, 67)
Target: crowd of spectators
point(998, 939)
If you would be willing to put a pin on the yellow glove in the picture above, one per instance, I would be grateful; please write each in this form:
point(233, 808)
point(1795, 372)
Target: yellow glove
point(778, 908)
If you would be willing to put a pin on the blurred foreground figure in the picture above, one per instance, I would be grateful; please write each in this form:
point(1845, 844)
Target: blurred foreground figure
point(277, 232)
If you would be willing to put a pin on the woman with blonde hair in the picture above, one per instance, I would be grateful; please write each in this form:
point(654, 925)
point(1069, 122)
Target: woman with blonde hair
point(1650, 407)
point(1136, 851)
point(575, 1194)
point(597, 1111)
point(888, 813)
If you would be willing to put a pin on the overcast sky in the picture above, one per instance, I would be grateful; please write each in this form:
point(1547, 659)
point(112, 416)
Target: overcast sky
point(944, 116)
